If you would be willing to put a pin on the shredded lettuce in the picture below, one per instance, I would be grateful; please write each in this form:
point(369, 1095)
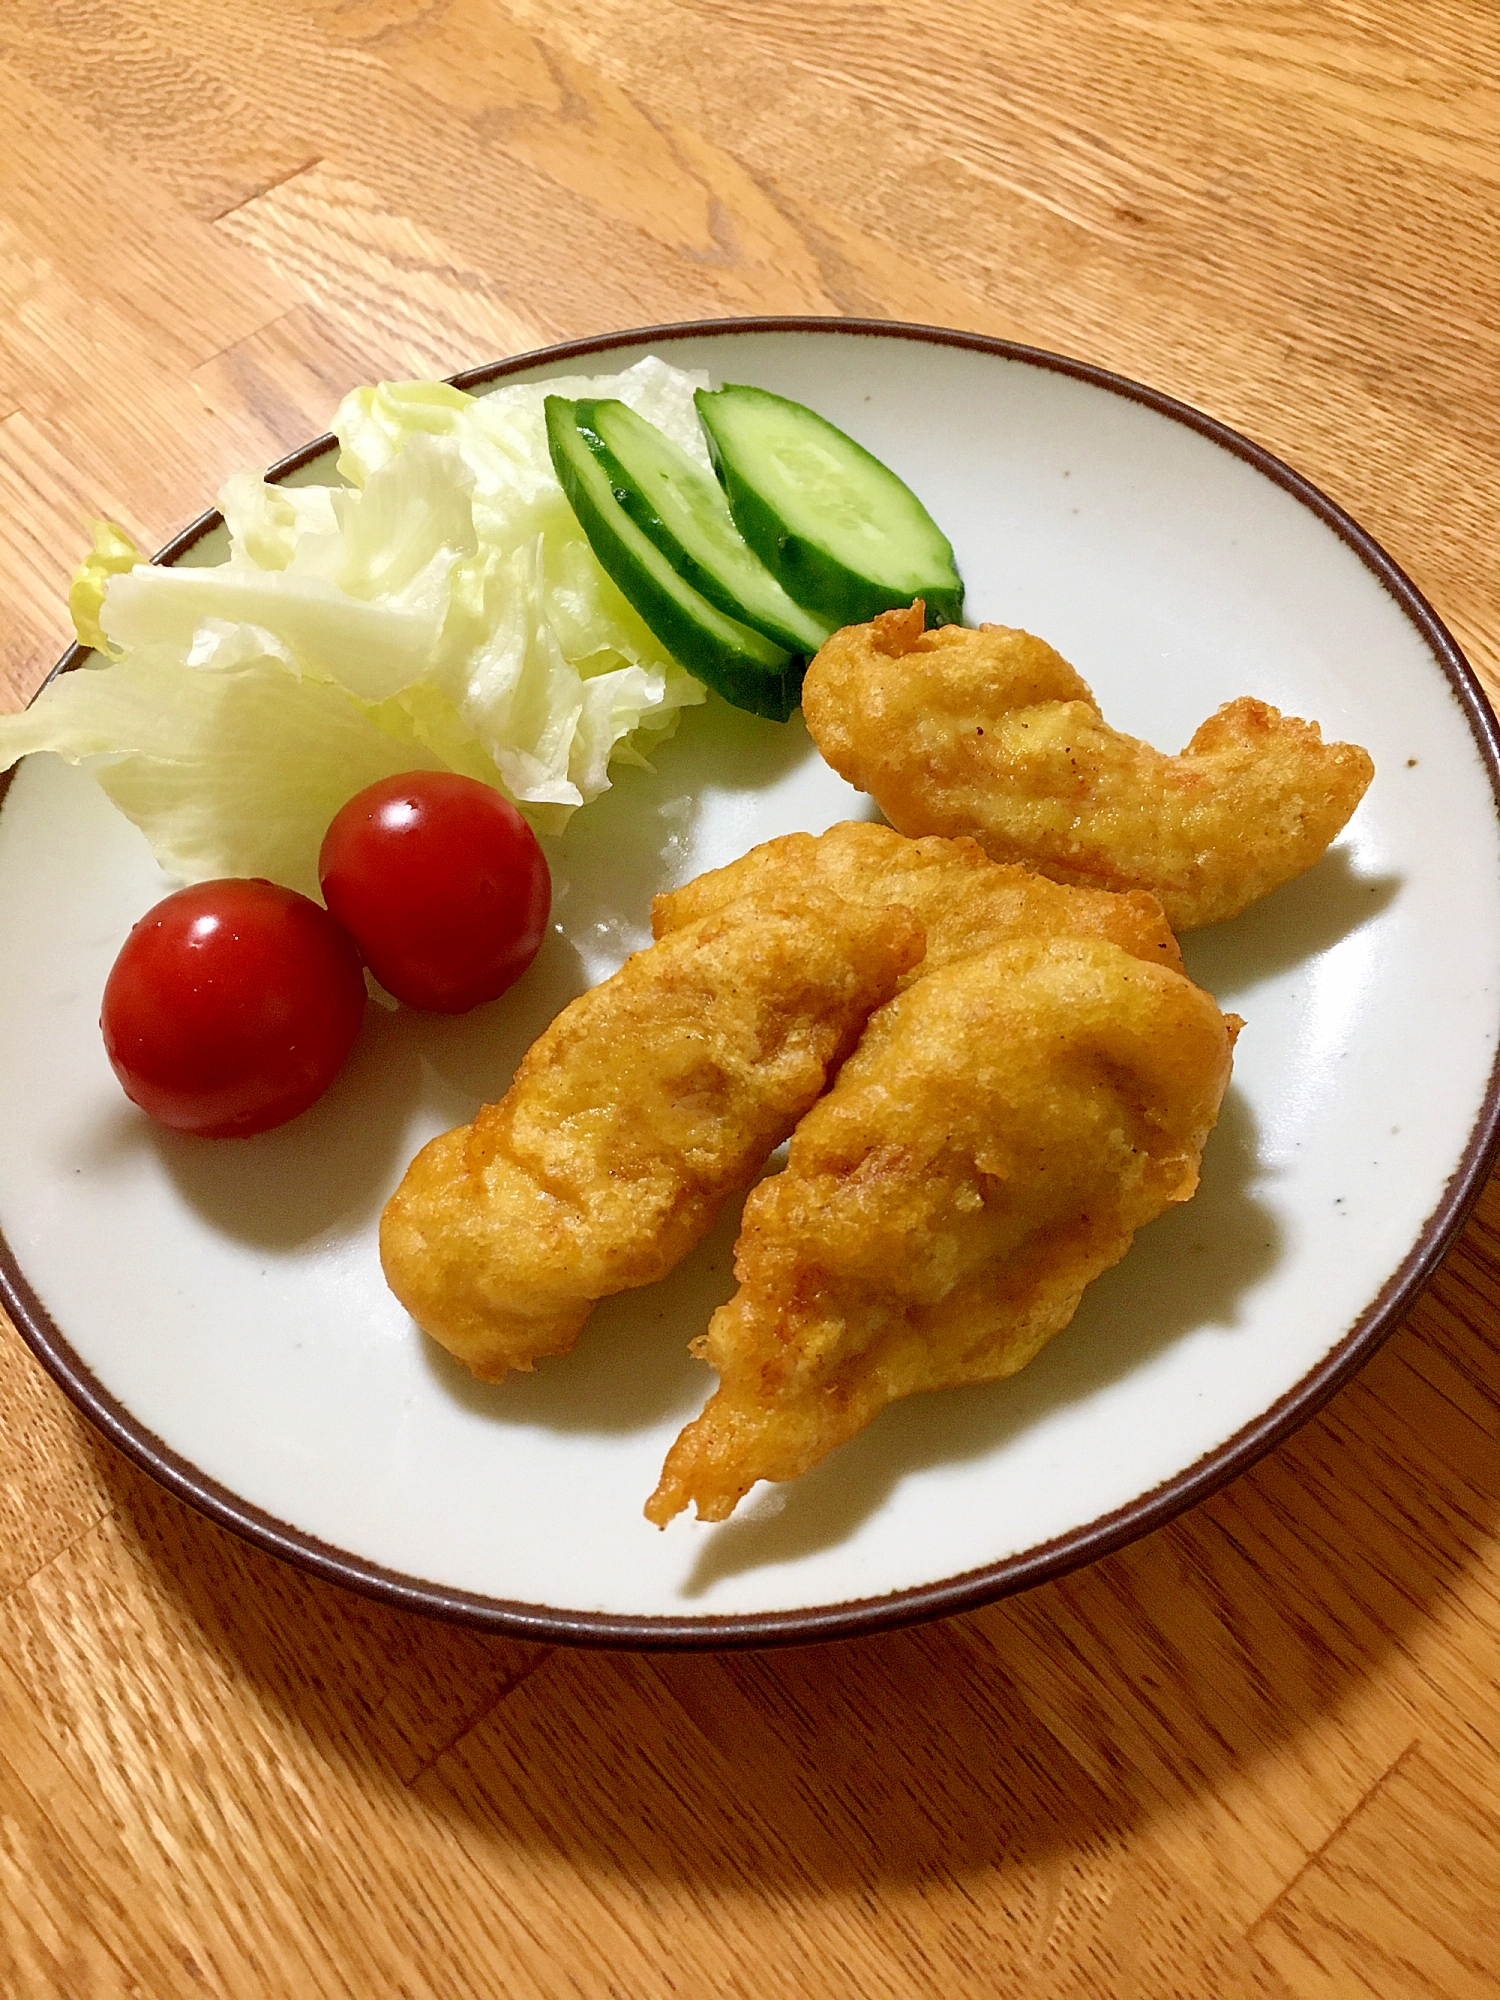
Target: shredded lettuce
point(441, 610)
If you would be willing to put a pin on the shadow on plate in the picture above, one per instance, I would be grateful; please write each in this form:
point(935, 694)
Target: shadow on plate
point(1289, 927)
point(1187, 1270)
point(636, 839)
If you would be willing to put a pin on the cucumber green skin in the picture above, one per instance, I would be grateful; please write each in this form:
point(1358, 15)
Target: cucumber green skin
point(759, 677)
point(809, 572)
point(636, 502)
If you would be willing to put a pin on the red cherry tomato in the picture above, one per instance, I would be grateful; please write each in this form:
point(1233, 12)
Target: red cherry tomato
point(231, 1007)
point(441, 884)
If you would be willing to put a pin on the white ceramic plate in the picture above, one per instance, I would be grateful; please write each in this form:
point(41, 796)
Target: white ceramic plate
point(219, 1310)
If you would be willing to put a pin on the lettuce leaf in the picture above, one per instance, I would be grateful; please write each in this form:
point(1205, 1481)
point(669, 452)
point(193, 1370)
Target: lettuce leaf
point(441, 610)
point(113, 553)
point(234, 759)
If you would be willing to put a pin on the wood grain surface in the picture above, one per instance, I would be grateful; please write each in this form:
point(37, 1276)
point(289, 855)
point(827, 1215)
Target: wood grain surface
point(1256, 1754)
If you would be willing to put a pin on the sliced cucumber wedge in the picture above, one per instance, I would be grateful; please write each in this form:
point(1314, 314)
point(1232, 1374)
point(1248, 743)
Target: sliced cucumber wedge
point(844, 536)
point(747, 668)
point(682, 509)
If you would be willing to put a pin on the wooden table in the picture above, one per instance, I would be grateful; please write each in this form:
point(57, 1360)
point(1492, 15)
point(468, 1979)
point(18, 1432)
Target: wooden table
point(1255, 1754)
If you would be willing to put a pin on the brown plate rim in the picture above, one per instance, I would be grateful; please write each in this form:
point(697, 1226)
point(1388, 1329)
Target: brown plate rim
point(970, 1588)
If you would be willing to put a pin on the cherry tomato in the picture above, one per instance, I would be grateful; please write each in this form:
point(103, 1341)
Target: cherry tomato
point(441, 884)
point(231, 1007)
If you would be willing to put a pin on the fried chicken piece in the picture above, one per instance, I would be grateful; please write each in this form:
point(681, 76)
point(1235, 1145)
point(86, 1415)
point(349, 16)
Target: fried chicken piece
point(965, 901)
point(992, 733)
point(632, 1119)
point(1004, 1128)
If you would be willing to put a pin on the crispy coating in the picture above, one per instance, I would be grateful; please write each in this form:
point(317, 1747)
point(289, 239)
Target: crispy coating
point(641, 1109)
point(992, 733)
point(1004, 1128)
point(965, 901)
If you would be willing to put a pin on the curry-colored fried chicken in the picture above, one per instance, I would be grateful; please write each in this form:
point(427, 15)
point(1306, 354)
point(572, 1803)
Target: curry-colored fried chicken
point(1005, 1126)
point(642, 1108)
point(990, 732)
point(965, 901)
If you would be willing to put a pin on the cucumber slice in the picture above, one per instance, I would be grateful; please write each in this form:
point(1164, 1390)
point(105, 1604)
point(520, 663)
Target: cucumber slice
point(845, 537)
point(682, 509)
point(745, 667)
